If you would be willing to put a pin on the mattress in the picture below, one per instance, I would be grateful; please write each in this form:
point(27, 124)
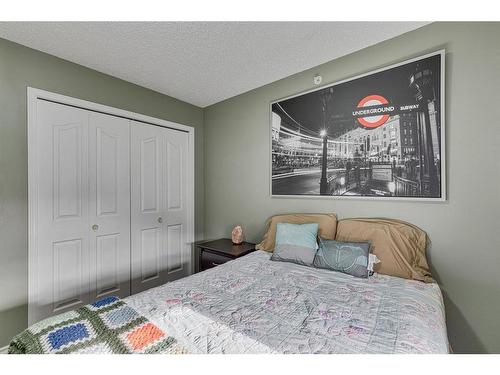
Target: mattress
point(255, 305)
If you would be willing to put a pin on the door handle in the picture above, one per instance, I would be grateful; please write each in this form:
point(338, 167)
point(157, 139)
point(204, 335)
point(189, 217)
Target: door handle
point(160, 220)
point(95, 227)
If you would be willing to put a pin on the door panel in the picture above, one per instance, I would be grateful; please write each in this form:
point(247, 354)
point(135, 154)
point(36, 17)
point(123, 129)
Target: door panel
point(62, 267)
point(160, 252)
point(150, 175)
point(68, 274)
point(109, 202)
point(146, 185)
point(176, 214)
point(108, 265)
point(67, 169)
point(107, 171)
point(174, 175)
point(175, 253)
point(150, 254)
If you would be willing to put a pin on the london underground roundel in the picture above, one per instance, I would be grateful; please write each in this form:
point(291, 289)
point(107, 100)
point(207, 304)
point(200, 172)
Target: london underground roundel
point(373, 121)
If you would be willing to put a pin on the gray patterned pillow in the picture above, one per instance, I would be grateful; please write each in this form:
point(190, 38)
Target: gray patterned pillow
point(346, 257)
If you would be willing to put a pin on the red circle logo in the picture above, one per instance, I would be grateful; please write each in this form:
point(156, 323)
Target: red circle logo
point(373, 121)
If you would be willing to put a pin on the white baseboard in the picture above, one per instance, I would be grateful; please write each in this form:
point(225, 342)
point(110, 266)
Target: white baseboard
point(4, 350)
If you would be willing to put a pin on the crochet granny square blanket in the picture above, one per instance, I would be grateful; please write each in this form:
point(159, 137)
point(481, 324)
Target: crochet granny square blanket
point(108, 325)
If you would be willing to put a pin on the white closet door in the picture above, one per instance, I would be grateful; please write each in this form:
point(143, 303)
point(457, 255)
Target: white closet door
point(82, 162)
point(175, 207)
point(160, 249)
point(109, 198)
point(62, 259)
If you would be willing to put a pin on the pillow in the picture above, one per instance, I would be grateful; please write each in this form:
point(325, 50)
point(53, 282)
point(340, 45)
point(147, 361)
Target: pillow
point(346, 257)
point(398, 245)
point(296, 243)
point(327, 227)
point(372, 260)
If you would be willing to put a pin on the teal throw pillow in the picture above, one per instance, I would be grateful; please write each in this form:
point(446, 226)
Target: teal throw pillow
point(296, 243)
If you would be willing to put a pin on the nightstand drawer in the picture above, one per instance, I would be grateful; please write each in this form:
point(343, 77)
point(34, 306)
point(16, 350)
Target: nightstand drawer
point(209, 260)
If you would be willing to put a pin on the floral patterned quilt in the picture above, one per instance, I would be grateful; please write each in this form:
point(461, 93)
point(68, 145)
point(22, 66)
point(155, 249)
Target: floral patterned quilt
point(255, 305)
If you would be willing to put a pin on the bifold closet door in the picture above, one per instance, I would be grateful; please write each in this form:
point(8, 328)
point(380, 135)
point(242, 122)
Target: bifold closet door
point(159, 237)
point(109, 212)
point(62, 258)
point(82, 233)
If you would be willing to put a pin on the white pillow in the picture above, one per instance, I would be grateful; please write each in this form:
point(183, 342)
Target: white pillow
point(372, 260)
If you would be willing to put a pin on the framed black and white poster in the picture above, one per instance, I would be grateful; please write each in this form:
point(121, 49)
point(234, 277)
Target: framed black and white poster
point(377, 135)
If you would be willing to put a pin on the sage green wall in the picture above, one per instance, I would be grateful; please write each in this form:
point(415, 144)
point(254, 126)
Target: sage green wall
point(465, 252)
point(21, 67)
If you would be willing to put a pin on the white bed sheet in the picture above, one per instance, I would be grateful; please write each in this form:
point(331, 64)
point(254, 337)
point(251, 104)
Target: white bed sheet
point(255, 305)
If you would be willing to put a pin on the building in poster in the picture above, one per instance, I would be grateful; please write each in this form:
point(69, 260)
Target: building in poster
point(378, 135)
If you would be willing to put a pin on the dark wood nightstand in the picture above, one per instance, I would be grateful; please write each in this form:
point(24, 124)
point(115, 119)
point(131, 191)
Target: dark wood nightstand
point(214, 253)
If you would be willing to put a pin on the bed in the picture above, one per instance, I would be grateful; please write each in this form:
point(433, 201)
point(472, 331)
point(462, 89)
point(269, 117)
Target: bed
point(255, 305)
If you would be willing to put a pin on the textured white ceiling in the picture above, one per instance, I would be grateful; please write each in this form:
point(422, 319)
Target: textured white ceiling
point(201, 62)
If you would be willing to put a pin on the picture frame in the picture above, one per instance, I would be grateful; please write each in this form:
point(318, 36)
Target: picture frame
point(384, 133)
